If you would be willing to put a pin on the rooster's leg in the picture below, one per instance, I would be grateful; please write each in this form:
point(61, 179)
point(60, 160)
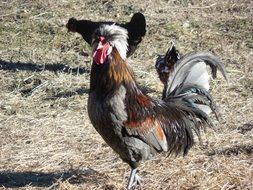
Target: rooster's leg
point(133, 179)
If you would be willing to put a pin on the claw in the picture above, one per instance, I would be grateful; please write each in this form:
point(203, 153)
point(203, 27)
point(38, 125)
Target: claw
point(134, 179)
point(137, 180)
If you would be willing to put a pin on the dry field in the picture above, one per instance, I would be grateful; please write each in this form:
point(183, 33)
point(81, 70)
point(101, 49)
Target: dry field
point(46, 139)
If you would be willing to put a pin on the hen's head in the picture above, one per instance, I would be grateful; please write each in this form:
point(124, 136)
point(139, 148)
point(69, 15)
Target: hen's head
point(165, 64)
point(105, 39)
point(71, 25)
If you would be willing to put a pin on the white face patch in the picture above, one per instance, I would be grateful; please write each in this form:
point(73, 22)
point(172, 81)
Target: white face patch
point(116, 36)
point(109, 51)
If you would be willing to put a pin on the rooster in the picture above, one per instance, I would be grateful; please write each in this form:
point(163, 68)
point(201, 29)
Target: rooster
point(136, 29)
point(133, 124)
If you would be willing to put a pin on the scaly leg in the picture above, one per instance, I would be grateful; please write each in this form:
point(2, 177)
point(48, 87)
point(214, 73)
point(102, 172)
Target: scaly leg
point(133, 179)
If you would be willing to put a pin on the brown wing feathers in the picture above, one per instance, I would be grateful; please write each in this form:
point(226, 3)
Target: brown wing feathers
point(163, 126)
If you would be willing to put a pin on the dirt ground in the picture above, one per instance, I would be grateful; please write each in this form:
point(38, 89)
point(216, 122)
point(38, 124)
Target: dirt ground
point(46, 138)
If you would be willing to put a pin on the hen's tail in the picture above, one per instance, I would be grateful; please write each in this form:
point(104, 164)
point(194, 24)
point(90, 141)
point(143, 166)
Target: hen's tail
point(189, 81)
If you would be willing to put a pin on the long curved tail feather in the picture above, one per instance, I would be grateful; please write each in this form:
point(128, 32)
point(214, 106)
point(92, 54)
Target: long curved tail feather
point(189, 81)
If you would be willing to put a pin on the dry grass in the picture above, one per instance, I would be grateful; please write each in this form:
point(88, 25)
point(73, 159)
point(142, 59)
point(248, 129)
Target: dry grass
point(46, 139)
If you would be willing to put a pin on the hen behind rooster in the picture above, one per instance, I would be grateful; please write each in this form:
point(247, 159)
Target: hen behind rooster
point(136, 29)
point(164, 64)
point(133, 124)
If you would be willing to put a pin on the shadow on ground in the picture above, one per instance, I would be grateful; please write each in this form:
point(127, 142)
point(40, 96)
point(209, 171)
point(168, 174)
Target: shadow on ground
point(232, 150)
point(68, 94)
point(58, 67)
point(39, 179)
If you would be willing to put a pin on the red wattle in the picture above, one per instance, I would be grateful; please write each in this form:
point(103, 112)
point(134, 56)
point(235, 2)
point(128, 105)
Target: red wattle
point(100, 54)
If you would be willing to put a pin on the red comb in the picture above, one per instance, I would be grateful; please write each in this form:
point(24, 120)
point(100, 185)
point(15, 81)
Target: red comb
point(101, 39)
